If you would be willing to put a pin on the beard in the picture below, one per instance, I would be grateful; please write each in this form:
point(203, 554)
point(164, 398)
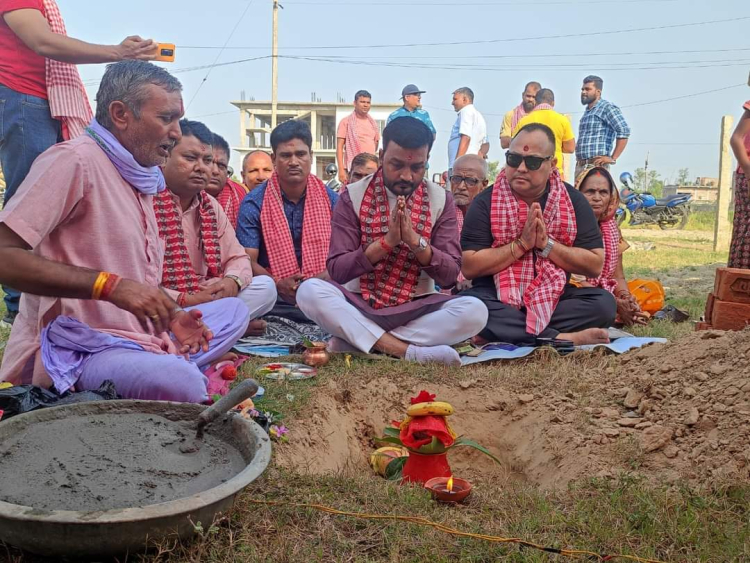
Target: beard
point(586, 100)
point(401, 187)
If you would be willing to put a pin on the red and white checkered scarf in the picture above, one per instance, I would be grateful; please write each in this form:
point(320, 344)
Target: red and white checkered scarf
point(518, 114)
point(179, 273)
point(230, 198)
point(316, 230)
point(352, 141)
point(395, 278)
point(67, 97)
point(611, 238)
point(532, 282)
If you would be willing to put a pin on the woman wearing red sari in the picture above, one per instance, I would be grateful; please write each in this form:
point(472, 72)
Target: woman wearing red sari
point(597, 185)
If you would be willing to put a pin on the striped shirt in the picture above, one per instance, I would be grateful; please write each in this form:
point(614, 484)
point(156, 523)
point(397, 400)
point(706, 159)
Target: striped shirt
point(599, 128)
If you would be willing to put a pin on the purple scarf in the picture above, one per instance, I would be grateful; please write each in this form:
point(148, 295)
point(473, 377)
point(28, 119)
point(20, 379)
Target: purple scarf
point(148, 181)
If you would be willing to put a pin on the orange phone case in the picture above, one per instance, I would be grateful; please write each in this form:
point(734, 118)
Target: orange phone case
point(165, 52)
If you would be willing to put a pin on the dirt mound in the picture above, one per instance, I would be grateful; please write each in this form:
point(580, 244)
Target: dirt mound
point(674, 411)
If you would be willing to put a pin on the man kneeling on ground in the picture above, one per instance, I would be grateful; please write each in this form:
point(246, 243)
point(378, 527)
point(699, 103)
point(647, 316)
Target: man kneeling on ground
point(92, 308)
point(203, 261)
point(396, 237)
point(522, 240)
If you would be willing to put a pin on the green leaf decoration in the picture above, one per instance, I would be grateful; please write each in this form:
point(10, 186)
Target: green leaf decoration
point(395, 468)
point(307, 343)
point(390, 440)
point(473, 444)
point(391, 431)
point(434, 447)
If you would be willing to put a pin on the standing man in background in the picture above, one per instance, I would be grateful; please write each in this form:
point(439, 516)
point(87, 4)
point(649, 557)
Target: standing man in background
point(544, 112)
point(41, 92)
point(512, 117)
point(412, 97)
point(469, 133)
point(602, 127)
point(357, 133)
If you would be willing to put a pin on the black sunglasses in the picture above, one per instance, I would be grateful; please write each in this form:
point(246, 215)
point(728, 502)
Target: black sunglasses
point(532, 162)
point(471, 182)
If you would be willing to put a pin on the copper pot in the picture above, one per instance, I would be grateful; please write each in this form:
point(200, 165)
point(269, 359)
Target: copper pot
point(317, 355)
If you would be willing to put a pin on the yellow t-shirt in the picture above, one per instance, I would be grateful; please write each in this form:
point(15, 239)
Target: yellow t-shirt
point(559, 124)
point(505, 131)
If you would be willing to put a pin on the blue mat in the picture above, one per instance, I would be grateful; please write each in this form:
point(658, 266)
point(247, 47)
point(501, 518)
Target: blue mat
point(500, 351)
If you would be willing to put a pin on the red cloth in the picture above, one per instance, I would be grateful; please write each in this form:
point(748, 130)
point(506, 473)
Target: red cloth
point(532, 282)
point(611, 238)
point(421, 430)
point(518, 114)
point(394, 278)
point(21, 69)
point(230, 198)
point(67, 97)
point(178, 272)
point(316, 230)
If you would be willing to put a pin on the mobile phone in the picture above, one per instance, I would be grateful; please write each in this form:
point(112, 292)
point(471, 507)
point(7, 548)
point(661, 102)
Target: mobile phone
point(165, 52)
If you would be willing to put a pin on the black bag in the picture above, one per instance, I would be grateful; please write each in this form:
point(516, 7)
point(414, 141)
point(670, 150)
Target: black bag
point(26, 398)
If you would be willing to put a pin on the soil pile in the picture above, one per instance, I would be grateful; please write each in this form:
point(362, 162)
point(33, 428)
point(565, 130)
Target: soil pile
point(103, 462)
point(672, 411)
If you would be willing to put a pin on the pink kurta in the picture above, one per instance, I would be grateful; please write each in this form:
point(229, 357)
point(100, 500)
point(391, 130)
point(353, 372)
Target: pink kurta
point(234, 259)
point(75, 208)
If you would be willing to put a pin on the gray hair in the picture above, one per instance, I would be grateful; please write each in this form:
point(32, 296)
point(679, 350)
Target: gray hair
point(466, 91)
point(474, 158)
point(126, 82)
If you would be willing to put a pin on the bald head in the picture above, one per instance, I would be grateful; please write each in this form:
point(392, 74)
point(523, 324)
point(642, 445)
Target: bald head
point(257, 167)
point(475, 163)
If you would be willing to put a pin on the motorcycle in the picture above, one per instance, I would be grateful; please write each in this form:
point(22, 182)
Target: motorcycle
point(671, 212)
point(332, 177)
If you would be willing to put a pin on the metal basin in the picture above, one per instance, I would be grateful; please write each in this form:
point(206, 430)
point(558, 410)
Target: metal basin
point(75, 533)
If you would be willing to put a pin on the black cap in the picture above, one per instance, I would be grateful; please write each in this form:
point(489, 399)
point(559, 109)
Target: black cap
point(411, 89)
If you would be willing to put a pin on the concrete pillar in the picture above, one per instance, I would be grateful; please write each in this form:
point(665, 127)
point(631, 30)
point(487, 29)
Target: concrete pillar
point(723, 229)
point(569, 160)
point(243, 128)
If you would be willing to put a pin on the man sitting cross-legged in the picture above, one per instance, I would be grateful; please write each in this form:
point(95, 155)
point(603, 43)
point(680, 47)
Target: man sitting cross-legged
point(285, 223)
point(396, 237)
point(522, 240)
point(203, 260)
point(80, 239)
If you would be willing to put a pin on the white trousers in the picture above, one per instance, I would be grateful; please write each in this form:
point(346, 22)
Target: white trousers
point(326, 305)
point(259, 296)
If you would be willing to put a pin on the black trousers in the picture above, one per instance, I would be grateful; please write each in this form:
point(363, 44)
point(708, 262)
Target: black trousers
point(579, 308)
point(287, 311)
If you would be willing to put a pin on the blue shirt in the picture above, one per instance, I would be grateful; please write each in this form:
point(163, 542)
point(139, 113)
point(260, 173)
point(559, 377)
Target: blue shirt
point(418, 113)
point(250, 232)
point(599, 128)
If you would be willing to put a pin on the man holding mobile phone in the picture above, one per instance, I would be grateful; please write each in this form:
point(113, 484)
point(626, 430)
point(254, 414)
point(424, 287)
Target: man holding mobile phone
point(41, 92)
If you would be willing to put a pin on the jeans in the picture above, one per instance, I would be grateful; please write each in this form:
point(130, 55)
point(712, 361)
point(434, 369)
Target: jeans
point(27, 129)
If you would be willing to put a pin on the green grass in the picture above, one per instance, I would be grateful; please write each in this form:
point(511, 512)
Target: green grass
point(669, 522)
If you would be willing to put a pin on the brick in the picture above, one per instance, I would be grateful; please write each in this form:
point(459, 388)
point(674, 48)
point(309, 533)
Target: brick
point(730, 316)
point(709, 307)
point(702, 326)
point(732, 284)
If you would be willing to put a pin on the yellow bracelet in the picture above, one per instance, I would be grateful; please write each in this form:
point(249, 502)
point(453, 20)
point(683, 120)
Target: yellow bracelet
point(513, 254)
point(99, 284)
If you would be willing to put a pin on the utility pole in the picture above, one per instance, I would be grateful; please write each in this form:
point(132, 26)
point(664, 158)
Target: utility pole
point(275, 64)
point(645, 176)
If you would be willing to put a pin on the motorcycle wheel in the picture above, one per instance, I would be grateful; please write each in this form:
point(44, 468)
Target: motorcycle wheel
point(678, 221)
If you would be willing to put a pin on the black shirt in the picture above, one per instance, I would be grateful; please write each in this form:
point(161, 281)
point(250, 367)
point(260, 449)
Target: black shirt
point(477, 233)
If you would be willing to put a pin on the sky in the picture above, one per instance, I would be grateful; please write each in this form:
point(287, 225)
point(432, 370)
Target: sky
point(492, 46)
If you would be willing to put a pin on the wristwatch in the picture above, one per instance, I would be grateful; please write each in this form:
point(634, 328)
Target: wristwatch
point(236, 280)
point(423, 244)
point(547, 249)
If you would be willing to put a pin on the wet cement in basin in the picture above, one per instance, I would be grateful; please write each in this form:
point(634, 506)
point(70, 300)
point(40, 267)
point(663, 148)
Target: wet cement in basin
point(102, 462)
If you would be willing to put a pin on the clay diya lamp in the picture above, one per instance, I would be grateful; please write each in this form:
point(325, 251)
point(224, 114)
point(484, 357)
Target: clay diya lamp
point(316, 355)
point(448, 489)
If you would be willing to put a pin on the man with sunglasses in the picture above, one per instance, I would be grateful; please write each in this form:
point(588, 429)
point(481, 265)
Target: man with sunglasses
point(522, 240)
point(412, 97)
